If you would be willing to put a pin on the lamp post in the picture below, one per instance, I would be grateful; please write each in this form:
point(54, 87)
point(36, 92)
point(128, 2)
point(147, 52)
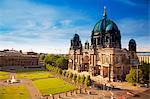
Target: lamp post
point(137, 70)
point(109, 72)
point(74, 60)
point(137, 73)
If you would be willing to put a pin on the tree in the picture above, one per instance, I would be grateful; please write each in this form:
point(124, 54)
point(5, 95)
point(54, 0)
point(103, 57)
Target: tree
point(67, 74)
point(78, 78)
point(74, 77)
point(62, 63)
point(88, 81)
point(145, 70)
point(64, 73)
point(132, 76)
point(50, 59)
point(60, 71)
point(42, 57)
point(82, 79)
point(70, 75)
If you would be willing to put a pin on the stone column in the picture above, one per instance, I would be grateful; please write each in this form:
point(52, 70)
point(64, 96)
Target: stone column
point(109, 71)
point(73, 61)
point(95, 60)
point(112, 73)
point(101, 71)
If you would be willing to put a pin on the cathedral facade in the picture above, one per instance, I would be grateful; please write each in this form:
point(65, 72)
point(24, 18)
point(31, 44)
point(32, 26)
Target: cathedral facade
point(103, 55)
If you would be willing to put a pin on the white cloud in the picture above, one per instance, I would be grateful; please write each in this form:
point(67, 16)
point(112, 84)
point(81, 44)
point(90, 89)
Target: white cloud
point(132, 26)
point(27, 26)
point(66, 22)
point(38, 27)
point(136, 29)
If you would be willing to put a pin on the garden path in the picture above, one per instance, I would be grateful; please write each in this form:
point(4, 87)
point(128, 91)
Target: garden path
point(33, 91)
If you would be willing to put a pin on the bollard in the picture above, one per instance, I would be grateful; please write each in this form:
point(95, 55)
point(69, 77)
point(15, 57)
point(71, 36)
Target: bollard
point(51, 96)
point(89, 92)
point(80, 91)
point(59, 96)
point(71, 93)
point(85, 90)
point(76, 91)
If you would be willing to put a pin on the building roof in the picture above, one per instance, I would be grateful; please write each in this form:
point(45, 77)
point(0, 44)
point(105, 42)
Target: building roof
point(15, 53)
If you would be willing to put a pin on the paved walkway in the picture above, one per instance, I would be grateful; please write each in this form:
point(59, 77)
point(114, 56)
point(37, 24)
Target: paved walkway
point(33, 91)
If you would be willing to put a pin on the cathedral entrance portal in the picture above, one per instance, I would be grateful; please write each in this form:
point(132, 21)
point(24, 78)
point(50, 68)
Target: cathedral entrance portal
point(86, 67)
point(105, 71)
point(86, 63)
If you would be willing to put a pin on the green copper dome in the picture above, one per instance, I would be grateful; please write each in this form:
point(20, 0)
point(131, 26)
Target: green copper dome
point(112, 26)
point(105, 33)
point(105, 25)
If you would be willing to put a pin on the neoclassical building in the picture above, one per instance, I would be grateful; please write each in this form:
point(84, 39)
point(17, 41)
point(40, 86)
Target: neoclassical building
point(103, 55)
point(14, 60)
point(144, 58)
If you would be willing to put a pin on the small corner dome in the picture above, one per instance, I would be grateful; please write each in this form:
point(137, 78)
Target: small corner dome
point(132, 41)
point(76, 35)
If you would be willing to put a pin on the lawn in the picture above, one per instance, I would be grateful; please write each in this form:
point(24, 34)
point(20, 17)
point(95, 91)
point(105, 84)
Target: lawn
point(52, 86)
point(33, 74)
point(4, 75)
point(14, 92)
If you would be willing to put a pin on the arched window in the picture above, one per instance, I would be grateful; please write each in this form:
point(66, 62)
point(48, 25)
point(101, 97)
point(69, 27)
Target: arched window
point(94, 41)
point(107, 59)
point(98, 41)
point(107, 39)
point(113, 38)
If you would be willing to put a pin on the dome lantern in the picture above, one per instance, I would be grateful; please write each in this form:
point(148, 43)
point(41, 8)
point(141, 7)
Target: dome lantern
point(105, 14)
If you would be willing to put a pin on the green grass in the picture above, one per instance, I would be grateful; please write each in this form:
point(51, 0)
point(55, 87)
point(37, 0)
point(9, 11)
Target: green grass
point(20, 71)
point(4, 75)
point(33, 74)
point(14, 92)
point(52, 86)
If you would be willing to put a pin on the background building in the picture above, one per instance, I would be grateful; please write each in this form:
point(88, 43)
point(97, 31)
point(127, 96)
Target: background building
point(103, 55)
point(144, 57)
point(12, 59)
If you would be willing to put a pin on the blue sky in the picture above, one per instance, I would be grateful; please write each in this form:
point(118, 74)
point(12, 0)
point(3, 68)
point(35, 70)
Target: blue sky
point(48, 25)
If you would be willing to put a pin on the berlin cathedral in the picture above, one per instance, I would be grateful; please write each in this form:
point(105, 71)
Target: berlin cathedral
point(103, 56)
